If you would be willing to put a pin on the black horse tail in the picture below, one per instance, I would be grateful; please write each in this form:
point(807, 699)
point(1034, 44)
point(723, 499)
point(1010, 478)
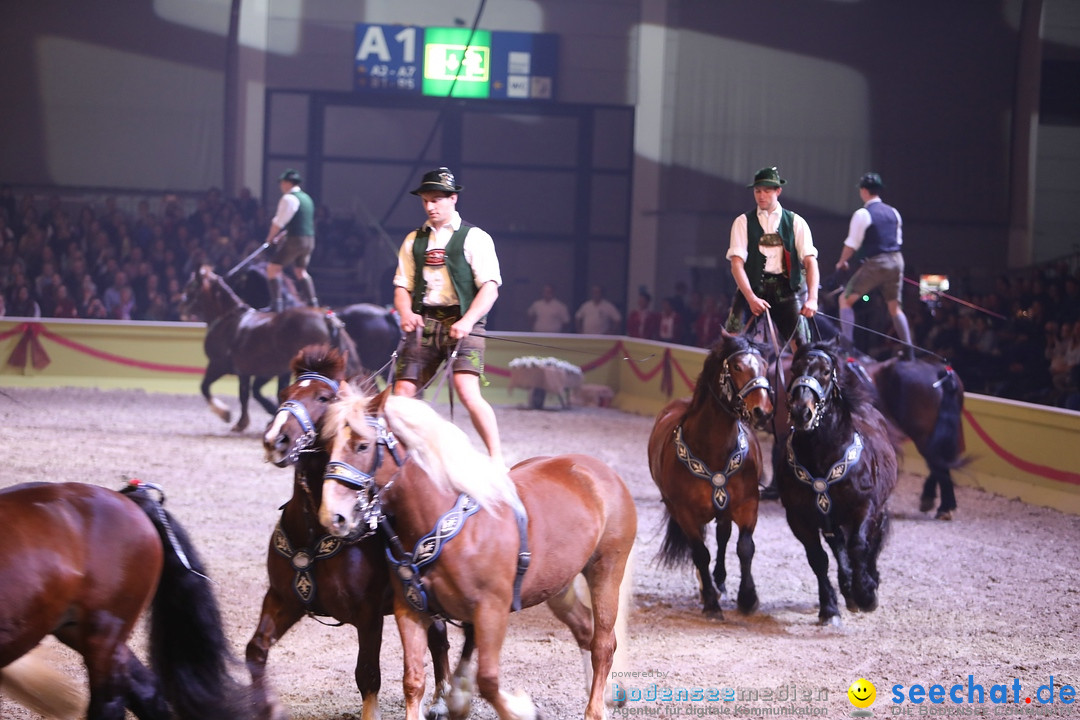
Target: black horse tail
point(675, 550)
point(946, 443)
point(188, 649)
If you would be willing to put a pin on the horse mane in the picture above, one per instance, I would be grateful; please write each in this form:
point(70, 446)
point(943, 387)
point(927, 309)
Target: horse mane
point(439, 447)
point(221, 286)
point(321, 359)
point(855, 394)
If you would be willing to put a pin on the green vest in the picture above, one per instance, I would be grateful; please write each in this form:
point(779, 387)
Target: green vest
point(755, 261)
point(303, 221)
point(461, 275)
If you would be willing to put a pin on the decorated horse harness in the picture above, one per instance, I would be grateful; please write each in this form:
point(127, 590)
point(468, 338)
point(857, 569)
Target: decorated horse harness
point(848, 459)
point(410, 566)
point(733, 400)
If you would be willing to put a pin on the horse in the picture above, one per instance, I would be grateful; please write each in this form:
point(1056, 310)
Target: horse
point(248, 343)
point(924, 399)
point(707, 464)
point(311, 573)
point(375, 329)
point(841, 468)
point(502, 539)
point(83, 562)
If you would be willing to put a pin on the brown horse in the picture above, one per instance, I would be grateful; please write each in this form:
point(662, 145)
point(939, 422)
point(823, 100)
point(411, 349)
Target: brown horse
point(707, 464)
point(841, 468)
point(250, 344)
point(312, 573)
point(82, 563)
point(471, 542)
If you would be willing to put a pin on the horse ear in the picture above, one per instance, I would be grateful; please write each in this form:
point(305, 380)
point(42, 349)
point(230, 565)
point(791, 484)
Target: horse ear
point(345, 390)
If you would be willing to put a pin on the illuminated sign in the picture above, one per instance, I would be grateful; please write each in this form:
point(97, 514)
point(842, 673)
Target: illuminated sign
point(455, 61)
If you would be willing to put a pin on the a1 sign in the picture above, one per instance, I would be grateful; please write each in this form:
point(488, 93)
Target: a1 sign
point(388, 57)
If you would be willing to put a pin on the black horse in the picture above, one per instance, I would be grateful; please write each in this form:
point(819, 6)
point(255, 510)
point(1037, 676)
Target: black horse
point(924, 399)
point(375, 329)
point(839, 472)
point(250, 344)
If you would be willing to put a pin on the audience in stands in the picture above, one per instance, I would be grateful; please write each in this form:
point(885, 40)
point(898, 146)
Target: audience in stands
point(1019, 339)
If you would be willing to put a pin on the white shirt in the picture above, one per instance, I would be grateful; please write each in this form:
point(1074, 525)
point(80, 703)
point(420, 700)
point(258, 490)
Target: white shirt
point(861, 220)
point(598, 318)
point(549, 316)
point(286, 208)
point(774, 256)
point(479, 251)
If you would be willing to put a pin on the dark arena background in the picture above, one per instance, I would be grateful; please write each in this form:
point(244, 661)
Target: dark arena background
point(606, 146)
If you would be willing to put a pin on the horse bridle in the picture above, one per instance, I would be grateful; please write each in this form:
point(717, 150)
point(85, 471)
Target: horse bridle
point(409, 566)
point(734, 397)
point(821, 394)
point(300, 412)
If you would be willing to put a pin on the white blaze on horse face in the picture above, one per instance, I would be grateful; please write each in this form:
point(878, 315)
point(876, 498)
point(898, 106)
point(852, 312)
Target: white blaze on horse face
point(338, 511)
point(274, 454)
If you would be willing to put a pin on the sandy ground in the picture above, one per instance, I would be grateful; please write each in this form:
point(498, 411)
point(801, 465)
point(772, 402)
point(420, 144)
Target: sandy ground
point(992, 595)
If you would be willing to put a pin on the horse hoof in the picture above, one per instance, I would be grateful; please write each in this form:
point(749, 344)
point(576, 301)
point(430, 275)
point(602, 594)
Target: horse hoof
point(926, 504)
point(240, 426)
point(944, 515)
point(831, 621)
point(748, 605)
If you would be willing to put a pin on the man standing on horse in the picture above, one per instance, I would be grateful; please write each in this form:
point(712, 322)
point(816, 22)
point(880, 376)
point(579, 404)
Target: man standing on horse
point(292, 240)
point(875, 233)
point(774, 262)
point(447, 281)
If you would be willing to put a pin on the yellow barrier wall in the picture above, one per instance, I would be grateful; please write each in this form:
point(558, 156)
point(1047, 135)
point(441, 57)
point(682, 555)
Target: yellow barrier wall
point(1016, 449)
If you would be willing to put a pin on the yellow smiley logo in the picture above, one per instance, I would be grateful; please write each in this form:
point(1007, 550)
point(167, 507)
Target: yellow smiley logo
point(862, 693)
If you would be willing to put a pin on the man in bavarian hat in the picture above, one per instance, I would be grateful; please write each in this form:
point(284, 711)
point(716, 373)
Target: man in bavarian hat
point(292, 240)
point(876, 234)
point(774, 262)
point(447, 281)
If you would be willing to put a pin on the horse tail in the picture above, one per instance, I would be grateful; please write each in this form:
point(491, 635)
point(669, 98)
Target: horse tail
point(37, 684)
point(946, 443)
point(188, 648)
point(675, 550)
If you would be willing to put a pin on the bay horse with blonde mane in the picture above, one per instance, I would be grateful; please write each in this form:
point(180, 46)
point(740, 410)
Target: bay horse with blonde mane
point(471, 542)
point(706, 460)
point(840, 469)
point(83, 563)
point(311, 573)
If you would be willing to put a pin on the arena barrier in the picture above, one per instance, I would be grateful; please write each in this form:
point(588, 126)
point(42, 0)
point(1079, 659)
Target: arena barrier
point(1019, 450)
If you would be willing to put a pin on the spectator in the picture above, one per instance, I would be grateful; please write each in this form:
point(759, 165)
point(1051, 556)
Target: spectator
point(709, 322)
point(24, 305)
point(597, 316)
point(114, 294)
point(643, 321)
point(64, 306)
point(670, 325)
point(548, 314)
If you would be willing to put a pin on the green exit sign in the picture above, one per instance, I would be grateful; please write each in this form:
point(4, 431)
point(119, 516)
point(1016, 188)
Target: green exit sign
point(456, 65)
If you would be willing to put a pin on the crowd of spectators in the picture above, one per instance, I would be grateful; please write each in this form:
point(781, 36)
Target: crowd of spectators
point(101, 262)
point(1020, 340)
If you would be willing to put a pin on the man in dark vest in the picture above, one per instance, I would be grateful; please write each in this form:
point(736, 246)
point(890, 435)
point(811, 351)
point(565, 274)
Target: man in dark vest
point(291, 240)
point(774, 263)
point(876, 234)
point(447, 281)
